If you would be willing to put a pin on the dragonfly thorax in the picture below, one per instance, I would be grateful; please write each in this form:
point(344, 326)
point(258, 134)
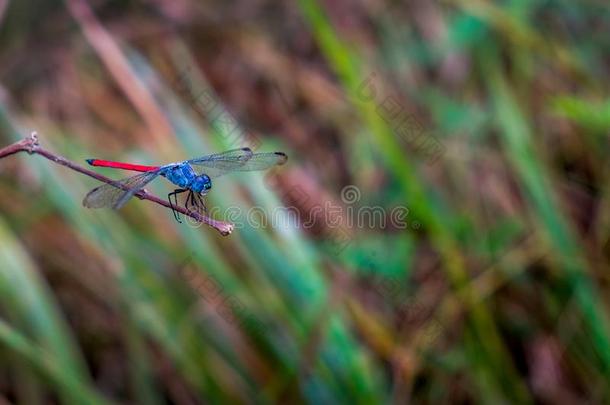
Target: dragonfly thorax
point(185, 177)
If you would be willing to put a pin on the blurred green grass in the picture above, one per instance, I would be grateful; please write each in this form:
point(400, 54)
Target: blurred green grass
point(497, 295)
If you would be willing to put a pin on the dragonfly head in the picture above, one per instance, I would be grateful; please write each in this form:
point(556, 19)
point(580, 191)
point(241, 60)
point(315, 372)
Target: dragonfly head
point(201, 183)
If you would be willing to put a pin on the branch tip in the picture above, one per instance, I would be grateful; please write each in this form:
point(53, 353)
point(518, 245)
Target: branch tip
point(32, 142)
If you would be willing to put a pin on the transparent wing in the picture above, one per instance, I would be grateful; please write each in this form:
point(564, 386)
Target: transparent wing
point(115, 195)
point(236, 160)
point(219, 163)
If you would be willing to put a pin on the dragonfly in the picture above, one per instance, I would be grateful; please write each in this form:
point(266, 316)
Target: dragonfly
point(193, 176)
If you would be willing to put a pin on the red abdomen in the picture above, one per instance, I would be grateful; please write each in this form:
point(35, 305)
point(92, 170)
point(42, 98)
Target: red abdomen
point(121, 165)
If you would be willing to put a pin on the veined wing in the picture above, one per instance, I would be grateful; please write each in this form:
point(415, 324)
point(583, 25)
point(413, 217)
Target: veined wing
point(236, 160)
point(219, 163)
point(115, 195)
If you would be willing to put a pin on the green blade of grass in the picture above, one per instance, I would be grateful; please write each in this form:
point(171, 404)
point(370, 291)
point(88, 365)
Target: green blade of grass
point(26, 297)
point(349, 71)
point(517, 136)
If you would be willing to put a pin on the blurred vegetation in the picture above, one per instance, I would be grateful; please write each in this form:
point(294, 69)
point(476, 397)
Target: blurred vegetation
point(494, 292)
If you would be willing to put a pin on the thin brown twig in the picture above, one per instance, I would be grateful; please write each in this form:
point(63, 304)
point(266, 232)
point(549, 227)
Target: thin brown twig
point(31, 146)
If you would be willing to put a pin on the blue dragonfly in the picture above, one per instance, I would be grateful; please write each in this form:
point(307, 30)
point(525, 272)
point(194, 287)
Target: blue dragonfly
point(193, 176)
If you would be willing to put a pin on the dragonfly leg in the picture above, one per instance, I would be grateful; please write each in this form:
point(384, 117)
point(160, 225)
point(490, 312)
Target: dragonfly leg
point(198, 198)
point(201, 203)
point(187, 203)
point(175, 203)
point(193, 203)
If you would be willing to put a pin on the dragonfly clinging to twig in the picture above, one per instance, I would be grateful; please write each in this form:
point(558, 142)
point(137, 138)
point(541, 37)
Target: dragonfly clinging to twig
point(193, 176)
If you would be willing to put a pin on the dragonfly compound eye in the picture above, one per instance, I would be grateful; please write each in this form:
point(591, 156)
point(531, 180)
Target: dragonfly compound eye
point(201, 183)
point(207, 182)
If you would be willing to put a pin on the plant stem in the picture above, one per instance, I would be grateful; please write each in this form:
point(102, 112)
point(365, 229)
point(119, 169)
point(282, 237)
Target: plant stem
point(31, 146)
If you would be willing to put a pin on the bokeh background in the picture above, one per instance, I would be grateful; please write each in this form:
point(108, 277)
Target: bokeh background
point(481, 125)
